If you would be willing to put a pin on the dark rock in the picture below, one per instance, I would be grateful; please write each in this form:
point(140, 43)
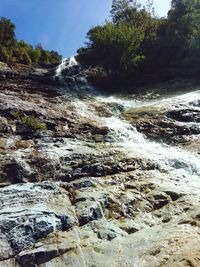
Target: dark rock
point(185, 115)
point(90, 214)
point(24, 226)
point(19, 172)
point(159, 200)
point(83, 184)
point(174, 195)
point(35, 259)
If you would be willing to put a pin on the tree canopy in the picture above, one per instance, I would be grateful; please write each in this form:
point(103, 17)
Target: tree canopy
point(136, 44)
point(13, 51)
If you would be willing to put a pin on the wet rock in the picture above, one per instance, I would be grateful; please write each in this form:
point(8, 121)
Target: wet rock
point(3, 125)
point(163, 125)
point(19, 171)
point(174, 195)
point(185, 115)
point(84, 183)
point(104, 196)
point(99, 138)
point(130, 227)
point(31, 212)
point(55, 245)
point(167, 247)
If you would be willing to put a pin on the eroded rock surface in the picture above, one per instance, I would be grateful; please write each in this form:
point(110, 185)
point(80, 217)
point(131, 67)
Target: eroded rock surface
point(81, 186)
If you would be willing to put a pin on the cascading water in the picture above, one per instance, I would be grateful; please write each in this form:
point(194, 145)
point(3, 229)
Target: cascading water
point(172, 159)
point(66, 63)
point(123, 133)
point(169, 158)
point(175, 161)
point(70, 76)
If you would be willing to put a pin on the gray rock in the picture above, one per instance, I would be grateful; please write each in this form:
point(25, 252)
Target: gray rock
point(19, 171)
point(31, 212)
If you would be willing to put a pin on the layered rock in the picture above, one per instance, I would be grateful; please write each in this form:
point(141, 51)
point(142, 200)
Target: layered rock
point(172, 123)
point(79, 186)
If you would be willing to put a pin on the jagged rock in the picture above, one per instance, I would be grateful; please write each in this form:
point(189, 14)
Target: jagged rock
point(89, 212)
point(111, 196)
point(185, 115)
point(55, 245)
point(159, 199)
point(106, 230)
point(172, 246)
point(29, 212)
point(163, 125)
point(19, 171)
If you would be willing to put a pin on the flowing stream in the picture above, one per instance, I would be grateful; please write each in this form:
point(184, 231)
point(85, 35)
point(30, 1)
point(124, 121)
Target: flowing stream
point(175, 161)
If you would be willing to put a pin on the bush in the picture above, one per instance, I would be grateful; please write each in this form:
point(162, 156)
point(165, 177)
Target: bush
point(33, 123)
point(29, 121)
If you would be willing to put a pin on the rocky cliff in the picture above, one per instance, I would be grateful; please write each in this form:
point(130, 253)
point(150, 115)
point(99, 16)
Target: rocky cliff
point(93, 180)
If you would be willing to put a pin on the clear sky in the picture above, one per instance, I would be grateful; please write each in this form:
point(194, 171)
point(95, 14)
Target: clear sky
point(60, 25)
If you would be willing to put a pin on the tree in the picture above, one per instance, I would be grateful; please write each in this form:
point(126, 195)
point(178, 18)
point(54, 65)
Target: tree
point(183, 31)
point(115, 48)
point(184, 23)
point(55, 58)
point(13, 51)
point(7, 32)
point(138, 44)
point(123, 10)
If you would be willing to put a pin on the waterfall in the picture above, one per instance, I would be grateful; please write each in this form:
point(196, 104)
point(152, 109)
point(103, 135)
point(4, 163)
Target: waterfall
point(67, 63)
point(167, 157)
point(123, 134)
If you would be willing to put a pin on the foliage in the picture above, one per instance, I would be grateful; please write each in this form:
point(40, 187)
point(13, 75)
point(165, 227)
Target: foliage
point(116, 44)
point(29, 121)
point(33, 123)
point(137, 46)
point(7, 33)
point(13, 51)
point(184, 30)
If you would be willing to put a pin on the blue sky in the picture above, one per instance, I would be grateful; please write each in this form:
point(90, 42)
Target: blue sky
point(60, 25)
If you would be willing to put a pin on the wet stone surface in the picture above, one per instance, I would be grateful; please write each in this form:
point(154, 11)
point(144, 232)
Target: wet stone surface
point(89, 180)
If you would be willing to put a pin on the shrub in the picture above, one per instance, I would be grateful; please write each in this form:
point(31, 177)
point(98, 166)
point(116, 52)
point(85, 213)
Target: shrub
point(30, 121)
point(33, 123)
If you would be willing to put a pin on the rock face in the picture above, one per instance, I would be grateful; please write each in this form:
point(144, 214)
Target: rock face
point(32, 212)
point(166, 125)
point(83, 184)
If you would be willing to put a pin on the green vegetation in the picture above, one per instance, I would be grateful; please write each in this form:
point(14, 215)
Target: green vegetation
point(31, 122)
point(13, 51)
point(138, 47)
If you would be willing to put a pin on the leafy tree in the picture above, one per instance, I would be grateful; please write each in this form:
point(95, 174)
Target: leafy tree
point(55, 57)
point(119, 46)
point(35, 55)
point(120, 10)
point(138, 44)
point(7, 32)
point(13, 51)
point(183, 22)
point(115, 47)
point(183, 32)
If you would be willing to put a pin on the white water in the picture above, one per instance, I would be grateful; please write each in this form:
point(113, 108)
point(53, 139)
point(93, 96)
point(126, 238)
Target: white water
point(173, 160)
point(169, 159)
point(66, 63)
